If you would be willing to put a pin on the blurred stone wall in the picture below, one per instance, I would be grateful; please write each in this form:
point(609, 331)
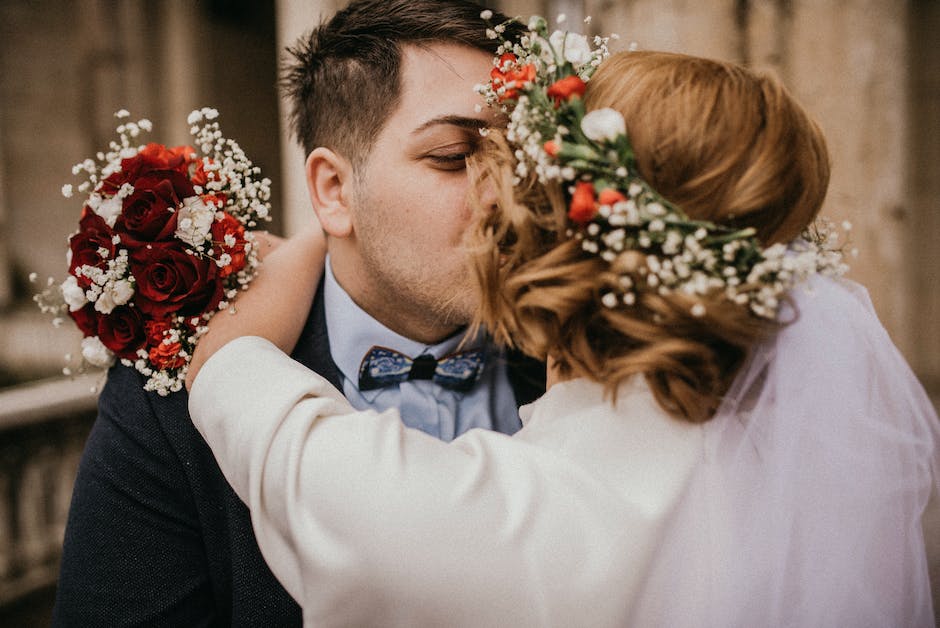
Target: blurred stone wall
point(65, 67)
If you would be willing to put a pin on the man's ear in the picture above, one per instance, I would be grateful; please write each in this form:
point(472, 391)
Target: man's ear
point(329, 183)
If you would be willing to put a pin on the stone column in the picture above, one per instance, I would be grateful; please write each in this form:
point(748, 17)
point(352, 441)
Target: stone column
point(6, 289)
point(846, 61)
point(921, 272)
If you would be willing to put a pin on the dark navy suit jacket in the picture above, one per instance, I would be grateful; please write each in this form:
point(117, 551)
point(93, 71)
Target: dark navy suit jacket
point(155, 535)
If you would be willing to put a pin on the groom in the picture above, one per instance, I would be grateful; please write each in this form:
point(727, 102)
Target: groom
point(383, 104)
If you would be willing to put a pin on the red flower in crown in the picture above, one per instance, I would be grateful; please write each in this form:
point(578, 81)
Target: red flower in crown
point(583, 205)
point(566, 89)
point(552, 148)
point(510, 77)
point(610, 196)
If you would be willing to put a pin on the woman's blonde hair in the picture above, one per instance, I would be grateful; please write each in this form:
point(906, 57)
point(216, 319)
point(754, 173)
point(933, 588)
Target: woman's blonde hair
point(723, 143)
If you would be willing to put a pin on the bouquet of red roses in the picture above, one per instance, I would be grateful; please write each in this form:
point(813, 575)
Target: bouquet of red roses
point(163, 243)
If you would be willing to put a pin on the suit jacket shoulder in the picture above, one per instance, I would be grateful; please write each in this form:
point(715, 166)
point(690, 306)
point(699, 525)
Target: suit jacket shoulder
point(155, 534)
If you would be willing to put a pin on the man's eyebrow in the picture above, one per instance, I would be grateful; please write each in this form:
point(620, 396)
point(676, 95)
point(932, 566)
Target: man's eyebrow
point(463, 122)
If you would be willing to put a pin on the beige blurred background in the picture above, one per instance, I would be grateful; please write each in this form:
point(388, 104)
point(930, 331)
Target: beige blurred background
point(868, 70)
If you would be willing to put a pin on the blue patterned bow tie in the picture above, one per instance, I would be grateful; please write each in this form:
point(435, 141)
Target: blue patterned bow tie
point(385, 367)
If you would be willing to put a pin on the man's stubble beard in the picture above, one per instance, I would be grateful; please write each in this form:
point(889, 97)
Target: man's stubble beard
point(411, 285)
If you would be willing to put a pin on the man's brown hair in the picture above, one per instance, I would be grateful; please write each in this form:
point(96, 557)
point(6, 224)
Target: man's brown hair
point(343, 78)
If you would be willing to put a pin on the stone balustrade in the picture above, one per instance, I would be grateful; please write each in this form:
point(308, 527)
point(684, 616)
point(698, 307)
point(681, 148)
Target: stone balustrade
point(43, 427)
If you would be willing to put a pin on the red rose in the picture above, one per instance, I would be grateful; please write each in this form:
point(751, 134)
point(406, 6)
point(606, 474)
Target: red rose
point(229, 226)
point(93, 237)
point(149, 213)
point(86, 319)
point(122, 331)
point(512, 77)
point(551, 147)
point(566, 89)
point(151, 157)
point(610, 196)
point(583, 206)
point(171, 281)
point(167, 356)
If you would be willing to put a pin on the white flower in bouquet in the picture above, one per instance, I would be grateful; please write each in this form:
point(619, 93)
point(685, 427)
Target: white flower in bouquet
point(194, 222)
point(73, 294)
point(122, 291)
point(95, 353)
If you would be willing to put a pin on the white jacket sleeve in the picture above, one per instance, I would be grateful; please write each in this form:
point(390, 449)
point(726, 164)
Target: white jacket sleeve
point(366, 522)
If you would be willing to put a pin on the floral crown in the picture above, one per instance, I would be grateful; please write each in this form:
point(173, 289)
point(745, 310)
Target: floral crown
point(539, 81)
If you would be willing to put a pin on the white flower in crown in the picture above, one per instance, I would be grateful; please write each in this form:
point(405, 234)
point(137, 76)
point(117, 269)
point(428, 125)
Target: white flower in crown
point(574, 47)
point(603, 125)
point(194, 221)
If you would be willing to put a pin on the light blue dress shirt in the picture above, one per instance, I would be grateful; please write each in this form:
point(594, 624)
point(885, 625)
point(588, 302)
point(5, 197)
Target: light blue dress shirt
point(438, 411)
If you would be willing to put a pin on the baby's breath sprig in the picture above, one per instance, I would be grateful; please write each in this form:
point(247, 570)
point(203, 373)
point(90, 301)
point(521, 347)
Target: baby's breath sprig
point(539, 80)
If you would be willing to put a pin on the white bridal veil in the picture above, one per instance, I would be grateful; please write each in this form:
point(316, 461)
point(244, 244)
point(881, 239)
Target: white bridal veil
point(818, 468)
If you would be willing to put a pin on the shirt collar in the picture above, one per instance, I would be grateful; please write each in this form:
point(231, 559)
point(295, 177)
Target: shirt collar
point(352, 332)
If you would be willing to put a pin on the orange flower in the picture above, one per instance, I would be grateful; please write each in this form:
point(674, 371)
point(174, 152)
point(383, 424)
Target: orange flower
point(566, 89)
point(228, 236)
point(512, 78)
point(583, 204)
point(155, 328)
point(610, 196)
point(201, 176)
point(551, 147)
point(215, 201)
point(167, 356)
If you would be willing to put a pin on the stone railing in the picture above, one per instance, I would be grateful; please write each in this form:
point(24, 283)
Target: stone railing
point(43, 427)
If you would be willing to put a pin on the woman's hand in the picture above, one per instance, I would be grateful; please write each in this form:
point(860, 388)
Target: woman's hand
point(277, 302)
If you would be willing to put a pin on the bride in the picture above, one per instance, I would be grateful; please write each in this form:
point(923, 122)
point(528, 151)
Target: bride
point(729, 437)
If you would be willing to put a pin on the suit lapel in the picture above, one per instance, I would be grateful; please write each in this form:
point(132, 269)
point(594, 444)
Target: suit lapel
point(313, 347)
